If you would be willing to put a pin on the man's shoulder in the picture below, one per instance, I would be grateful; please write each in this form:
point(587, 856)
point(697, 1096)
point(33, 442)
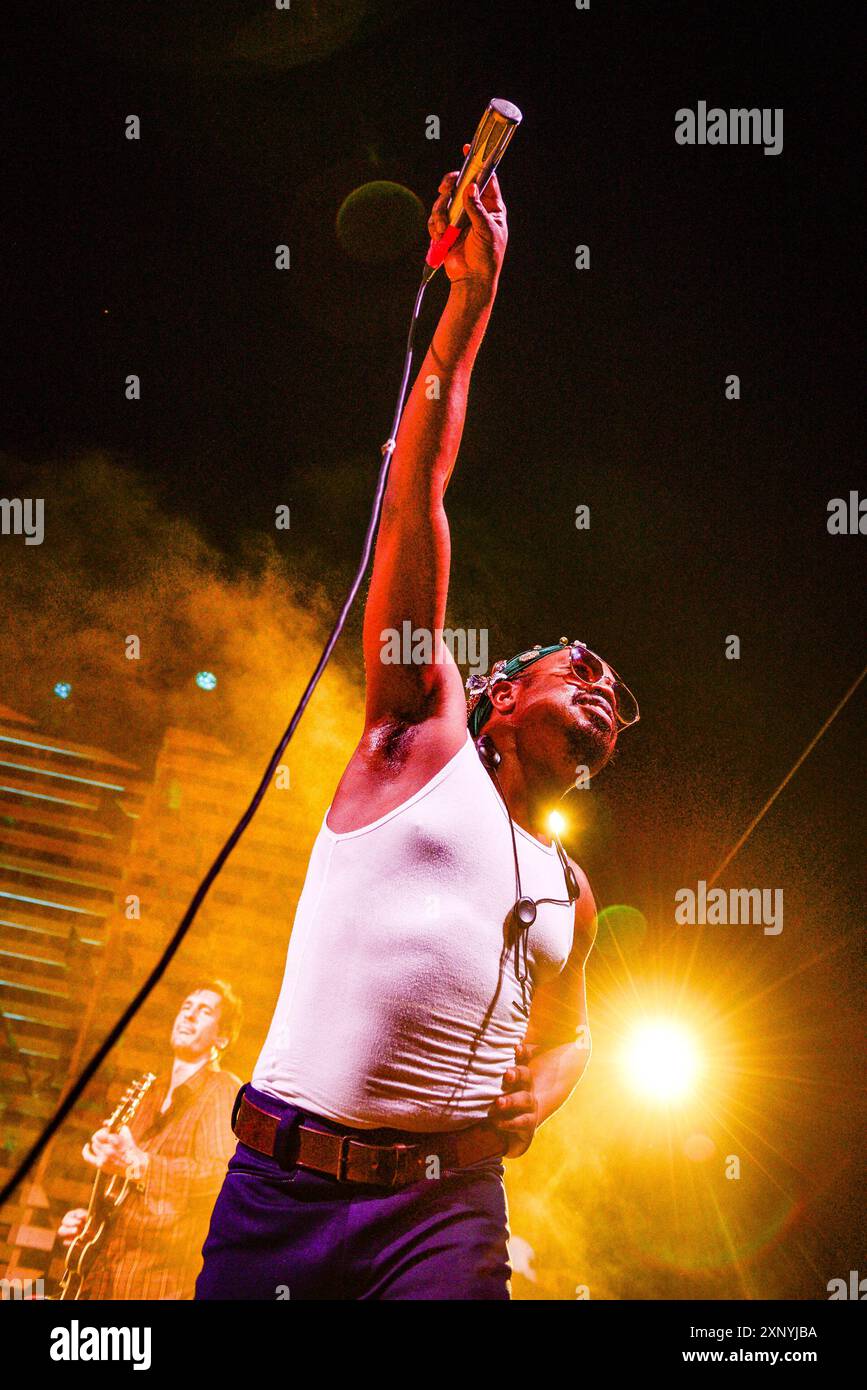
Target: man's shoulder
point(222, 1085)
point(227, 1079)
point(395, 759)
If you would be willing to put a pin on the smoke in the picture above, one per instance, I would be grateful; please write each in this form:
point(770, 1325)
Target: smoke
point(114, 565)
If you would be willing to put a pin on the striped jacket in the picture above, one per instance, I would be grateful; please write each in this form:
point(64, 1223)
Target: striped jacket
point(153, 1248)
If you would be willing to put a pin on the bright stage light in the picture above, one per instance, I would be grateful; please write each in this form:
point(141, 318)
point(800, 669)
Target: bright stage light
point(662, 1061)
point(556, 823)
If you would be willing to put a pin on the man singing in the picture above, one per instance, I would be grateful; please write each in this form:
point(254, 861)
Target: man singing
point(432, 1013)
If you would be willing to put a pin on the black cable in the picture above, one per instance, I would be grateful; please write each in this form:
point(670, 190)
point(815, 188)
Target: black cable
point(153, 979)
point(521, 929)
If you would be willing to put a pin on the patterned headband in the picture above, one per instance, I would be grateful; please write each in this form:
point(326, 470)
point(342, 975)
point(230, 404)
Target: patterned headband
point(478, 688)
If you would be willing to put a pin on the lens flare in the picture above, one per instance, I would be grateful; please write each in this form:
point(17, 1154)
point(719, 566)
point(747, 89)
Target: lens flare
point(662, 1061)
point(380, 221)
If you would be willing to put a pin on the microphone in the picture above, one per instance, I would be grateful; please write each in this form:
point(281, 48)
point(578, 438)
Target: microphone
point(495, 130)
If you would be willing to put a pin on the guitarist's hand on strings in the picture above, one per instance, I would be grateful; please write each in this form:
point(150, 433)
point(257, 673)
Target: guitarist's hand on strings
point(72, 1224)
point(116, 1153)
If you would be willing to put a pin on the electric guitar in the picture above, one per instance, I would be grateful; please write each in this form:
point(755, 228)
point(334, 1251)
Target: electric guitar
point(108, 1193)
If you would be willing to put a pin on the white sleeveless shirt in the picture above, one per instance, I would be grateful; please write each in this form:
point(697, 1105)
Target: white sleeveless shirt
point(400, 1004)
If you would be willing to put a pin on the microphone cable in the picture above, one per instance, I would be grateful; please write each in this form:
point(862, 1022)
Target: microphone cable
point(92, 1066)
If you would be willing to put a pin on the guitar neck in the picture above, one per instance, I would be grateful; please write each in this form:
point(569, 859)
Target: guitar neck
point(97, 1191)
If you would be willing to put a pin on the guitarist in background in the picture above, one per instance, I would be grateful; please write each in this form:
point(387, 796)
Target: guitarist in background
point(175, 1161)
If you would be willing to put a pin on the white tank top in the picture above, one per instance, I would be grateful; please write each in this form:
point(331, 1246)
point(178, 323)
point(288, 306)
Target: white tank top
point(400, 1004)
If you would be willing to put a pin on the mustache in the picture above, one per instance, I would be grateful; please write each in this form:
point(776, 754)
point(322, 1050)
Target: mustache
point(594, 696)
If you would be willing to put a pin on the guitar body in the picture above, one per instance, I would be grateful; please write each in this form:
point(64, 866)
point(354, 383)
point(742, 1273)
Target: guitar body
point(107, 1195)
point(79, 1258)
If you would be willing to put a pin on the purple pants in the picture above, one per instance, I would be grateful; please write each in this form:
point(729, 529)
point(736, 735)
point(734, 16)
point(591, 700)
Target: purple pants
point(287, 1232)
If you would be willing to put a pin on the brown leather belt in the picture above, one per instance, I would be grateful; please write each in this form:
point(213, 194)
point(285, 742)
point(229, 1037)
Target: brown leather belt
point(349, 1160)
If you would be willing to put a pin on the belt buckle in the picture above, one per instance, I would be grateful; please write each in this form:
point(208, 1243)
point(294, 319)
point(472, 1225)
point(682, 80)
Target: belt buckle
point(343, 1157)
point(401, 1151)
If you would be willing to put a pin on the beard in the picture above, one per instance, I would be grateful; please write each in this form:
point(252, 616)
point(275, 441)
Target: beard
point(591, 740)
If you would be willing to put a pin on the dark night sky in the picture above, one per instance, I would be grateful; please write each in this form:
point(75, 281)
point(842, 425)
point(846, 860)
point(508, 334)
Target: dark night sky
point(603, 387)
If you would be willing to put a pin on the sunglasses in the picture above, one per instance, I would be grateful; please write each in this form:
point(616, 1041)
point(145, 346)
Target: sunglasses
point(591, 670)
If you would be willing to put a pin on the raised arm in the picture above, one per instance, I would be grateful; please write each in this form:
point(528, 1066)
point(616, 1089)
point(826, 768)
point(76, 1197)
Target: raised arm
point(411, 565)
